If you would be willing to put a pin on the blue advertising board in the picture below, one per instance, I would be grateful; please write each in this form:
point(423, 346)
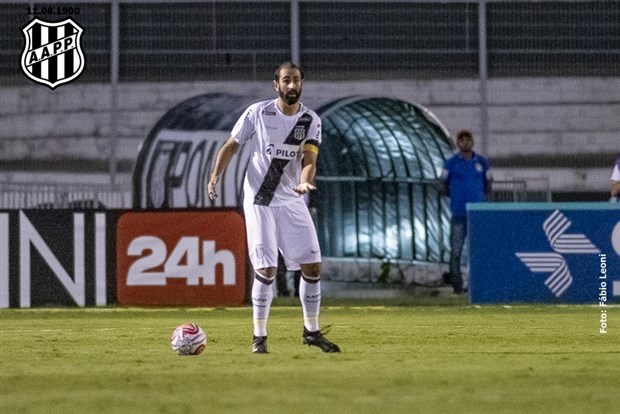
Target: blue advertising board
point(544, 252)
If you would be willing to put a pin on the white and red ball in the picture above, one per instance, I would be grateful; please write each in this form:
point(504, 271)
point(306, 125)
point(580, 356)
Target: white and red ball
point(188, 339)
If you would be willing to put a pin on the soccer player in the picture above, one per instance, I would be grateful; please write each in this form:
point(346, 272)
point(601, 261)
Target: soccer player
point(465, 179)
point(615, 181)
point(284, 137)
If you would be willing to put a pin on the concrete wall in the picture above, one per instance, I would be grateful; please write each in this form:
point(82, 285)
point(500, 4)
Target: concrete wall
point(528, 117)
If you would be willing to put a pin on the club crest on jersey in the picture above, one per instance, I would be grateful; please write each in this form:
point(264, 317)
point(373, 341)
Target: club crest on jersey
point(52, 52)
point(299, 133)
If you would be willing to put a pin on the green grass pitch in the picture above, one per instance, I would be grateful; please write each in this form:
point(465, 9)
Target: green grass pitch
point(395, 358)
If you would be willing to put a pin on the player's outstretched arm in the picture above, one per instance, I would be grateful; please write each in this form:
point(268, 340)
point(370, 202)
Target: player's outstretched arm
point(222, 160)
point(308, 172)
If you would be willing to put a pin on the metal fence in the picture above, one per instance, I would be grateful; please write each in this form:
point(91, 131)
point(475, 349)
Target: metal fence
point(52, 196)
point(521, 191)
point(228, 40)
point(56, 196)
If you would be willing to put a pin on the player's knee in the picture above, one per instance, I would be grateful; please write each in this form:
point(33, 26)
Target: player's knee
point(311, 272)
point(267, 272)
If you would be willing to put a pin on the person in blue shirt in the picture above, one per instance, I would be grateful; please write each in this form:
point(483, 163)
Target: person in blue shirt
point(465, 178)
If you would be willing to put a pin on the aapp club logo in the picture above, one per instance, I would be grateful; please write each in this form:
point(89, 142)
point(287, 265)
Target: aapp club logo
point(52, 53)
point(181, 258)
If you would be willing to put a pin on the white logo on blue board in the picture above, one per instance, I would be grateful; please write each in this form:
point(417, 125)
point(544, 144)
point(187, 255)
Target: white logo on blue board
point(560, 278)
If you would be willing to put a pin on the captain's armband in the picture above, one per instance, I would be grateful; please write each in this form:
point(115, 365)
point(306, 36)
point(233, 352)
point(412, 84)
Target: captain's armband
point(312, 148)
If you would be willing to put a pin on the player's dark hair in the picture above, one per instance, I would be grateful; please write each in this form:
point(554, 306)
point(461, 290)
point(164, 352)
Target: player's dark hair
point(464, 133)
point(287, 65)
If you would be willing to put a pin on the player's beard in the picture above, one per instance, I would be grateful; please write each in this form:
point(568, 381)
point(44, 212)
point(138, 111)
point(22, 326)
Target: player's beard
point(290, 97)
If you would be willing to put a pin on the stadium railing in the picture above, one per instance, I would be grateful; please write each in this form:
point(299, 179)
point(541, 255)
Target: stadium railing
point(58, 196)
point(100, 196)
point(521, 191)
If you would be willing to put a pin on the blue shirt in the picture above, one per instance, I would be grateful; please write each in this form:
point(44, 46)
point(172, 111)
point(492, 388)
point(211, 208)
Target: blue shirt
point(467, 181)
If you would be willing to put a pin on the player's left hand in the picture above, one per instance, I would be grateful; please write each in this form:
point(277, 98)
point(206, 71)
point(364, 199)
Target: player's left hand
point(304, 188)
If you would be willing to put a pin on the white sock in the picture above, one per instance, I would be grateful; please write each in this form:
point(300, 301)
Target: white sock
point(262, 295)
point(310, 295)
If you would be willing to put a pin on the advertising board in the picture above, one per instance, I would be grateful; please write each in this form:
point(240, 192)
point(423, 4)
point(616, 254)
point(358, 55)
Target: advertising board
point(544, 252)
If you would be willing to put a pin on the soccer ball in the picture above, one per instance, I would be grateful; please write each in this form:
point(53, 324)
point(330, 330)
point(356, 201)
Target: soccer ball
point(188, 339)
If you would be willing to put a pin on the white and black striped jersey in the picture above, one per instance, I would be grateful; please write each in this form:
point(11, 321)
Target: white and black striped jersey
point(278, 142)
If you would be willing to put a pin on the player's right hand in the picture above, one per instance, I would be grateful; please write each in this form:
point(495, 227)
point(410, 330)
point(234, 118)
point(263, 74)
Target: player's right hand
point(211, 188)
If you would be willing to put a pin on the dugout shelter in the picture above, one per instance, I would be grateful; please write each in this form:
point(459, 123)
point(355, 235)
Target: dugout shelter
point(379, 163)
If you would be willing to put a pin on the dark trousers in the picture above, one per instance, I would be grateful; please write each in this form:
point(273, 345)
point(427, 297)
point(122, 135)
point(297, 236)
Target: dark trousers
point(458, 234)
